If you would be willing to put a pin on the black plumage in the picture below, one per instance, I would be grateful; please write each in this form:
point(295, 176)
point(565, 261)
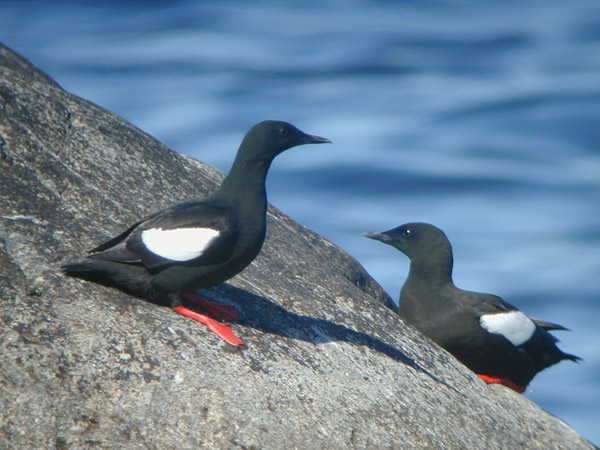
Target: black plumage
point(488, 335)
point(198, 244)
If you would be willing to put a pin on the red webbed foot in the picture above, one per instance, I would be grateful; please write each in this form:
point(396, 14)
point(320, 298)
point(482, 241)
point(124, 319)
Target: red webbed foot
point(217, 310)
point(220, 329)
point(505, 381)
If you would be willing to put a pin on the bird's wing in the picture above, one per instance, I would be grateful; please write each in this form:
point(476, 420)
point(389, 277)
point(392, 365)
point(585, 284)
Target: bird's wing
point(487, 303)
point(496, 304)
point(501, 318)
point(115, 241)
point(549, 326)
point(198, 233)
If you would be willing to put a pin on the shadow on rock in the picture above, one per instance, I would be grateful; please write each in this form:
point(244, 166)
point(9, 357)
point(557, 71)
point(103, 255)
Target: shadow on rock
point(262, 314)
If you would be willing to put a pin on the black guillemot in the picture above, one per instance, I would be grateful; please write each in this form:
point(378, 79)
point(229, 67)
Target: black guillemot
point(493, 338)
point(174, 252)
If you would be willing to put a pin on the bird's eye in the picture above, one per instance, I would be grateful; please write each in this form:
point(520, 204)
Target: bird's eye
point(406, 233)
point(283, 131)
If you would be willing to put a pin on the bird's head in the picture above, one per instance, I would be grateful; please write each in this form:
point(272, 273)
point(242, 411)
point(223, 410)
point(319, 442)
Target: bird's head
point(423, 243)
point(271, 137)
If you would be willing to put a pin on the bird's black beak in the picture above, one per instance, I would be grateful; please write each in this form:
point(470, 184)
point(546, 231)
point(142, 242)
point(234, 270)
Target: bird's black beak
point(310, 139)
point(377, 235)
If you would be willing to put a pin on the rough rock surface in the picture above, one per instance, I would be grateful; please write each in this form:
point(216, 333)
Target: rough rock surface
point(328, 365)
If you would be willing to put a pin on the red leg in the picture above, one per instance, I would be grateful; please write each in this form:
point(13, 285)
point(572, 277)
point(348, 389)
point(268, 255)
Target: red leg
point(217, 310)
point(505, 381)
point(220, 329)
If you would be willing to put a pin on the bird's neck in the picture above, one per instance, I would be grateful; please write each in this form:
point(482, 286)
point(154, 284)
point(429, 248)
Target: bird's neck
point(434, 275)
point(247, 178)
point(422, 293)
point(424, 290)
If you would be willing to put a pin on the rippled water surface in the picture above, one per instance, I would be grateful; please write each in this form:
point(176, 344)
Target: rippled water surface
point(483, 119)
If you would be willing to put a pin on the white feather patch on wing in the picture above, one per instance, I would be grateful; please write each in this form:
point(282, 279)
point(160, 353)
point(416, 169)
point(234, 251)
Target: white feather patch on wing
point(179, 244)
point(514, 326)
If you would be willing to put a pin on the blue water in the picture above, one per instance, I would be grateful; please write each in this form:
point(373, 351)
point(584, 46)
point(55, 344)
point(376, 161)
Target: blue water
point(480, 117)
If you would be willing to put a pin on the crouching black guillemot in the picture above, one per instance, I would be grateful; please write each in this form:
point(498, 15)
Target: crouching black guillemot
point(493, 338)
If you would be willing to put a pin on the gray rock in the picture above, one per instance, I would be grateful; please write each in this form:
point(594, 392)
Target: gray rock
point(328, 365)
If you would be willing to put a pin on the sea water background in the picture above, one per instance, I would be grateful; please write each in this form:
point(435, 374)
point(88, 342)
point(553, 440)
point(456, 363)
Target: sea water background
point(480, 117)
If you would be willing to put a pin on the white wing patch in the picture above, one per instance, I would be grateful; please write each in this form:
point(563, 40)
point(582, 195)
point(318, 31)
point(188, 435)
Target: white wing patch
point(179, 244)
point(514, 326)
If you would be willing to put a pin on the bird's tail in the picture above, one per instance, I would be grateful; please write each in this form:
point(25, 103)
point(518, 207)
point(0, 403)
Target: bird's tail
point(88, 271)
point(131, 278)
point(570, 357)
